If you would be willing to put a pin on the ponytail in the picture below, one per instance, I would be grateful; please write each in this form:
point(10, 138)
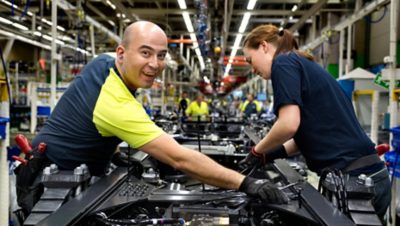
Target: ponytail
point(281, 38)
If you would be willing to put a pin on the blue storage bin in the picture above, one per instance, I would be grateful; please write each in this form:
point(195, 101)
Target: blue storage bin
point(43, 110)
point(3, 125)
point(396, 138)
point(390, 158)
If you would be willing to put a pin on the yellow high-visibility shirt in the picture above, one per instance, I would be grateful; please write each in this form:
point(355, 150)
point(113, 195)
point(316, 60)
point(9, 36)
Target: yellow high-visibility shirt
point(194, 110)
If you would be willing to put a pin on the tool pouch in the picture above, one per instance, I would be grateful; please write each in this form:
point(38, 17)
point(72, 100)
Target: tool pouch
point(28, 183)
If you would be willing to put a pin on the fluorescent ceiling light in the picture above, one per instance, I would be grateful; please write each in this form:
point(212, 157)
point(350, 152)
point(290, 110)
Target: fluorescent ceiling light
point(47, 22)
point(37, 33)
point(198, 53)
point(182, 4)
point(291, 18)
point(66, 38)
point(9, 4)
point(244, 23)
point(47, 37)
point(201, 61)
point(110, 4)
point(188, 22)
point(20, 26)
point(29, 13)
point(194, 40)
point(233, 54)
point(251, 4)
point(60, 28)
point(237, 41)
point(111, 22)
point(5, 21)
point(227, 69)
point(294, 8)
point(60, 42)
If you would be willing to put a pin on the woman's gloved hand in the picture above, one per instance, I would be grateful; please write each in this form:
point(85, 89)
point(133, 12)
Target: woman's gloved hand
point(252, 159)
point(256, 159)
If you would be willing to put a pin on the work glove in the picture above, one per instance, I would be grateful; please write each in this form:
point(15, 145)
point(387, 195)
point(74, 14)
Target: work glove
point(120, 159)
point(263, 189)
point(257, 159)
point(253, 159)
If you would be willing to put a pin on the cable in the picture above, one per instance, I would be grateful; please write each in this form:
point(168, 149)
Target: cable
point(339, 191)
point(149, 221)
point(369, 20)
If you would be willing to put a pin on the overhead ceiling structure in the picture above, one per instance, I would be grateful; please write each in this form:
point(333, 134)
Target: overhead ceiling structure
point(210, 31)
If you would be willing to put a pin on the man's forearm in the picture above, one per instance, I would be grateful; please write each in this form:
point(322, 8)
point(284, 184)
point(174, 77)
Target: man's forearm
point(203, 168)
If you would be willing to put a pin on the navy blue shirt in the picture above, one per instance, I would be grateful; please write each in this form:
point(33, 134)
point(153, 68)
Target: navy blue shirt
point(93, 116)
point(329, 134)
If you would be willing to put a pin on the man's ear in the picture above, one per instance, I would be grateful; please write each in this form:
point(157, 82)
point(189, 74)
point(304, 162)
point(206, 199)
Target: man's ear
point(120, 53)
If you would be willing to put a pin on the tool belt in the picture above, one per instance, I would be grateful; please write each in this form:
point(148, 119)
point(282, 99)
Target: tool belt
point(28, 186)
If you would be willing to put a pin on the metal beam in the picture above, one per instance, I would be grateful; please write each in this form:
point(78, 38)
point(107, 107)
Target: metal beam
point(149, 11)
point(129, 14)
point(314, 9)
point(349, 20)
point(63, 4)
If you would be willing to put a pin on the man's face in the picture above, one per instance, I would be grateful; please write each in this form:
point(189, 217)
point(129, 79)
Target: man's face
point(143, 60)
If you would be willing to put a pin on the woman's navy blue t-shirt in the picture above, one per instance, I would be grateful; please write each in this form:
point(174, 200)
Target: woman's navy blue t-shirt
point(329, 134)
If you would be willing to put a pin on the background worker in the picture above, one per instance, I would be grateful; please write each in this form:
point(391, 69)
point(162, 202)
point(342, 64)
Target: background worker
point(183, 104)
point(314, 114)
point(99, 110)
point(198, 108)
point(250, 106)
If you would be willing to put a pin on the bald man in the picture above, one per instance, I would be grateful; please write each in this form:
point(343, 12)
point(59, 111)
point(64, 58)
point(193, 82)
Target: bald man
point(99, 111)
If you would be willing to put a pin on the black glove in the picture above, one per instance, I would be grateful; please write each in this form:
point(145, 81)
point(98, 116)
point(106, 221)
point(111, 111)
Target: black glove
point(252, 159)
point(259, 188)
point(120, 159)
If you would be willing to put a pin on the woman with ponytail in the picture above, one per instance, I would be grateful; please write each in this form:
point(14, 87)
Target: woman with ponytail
point(314, 114)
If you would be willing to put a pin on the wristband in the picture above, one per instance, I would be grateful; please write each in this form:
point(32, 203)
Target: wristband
point(256, 154)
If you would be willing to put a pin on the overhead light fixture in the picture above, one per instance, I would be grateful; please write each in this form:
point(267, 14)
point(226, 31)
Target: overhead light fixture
point(244, 22)
point(291, 18)
point(194, 40)
point(251, 4)
point(9, 4)
point(20, 26)
point(111, 22)
point(37, 33)
point(5, 21)
point(294, 8)
point(110, 4)
point(237, 41)
point(242, 28)
point(60, 28)
point(188, 22)
point(189, 27)
point(182, 4)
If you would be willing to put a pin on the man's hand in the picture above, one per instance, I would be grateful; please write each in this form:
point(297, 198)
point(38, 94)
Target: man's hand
point(252, 159)
point(263, 189)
